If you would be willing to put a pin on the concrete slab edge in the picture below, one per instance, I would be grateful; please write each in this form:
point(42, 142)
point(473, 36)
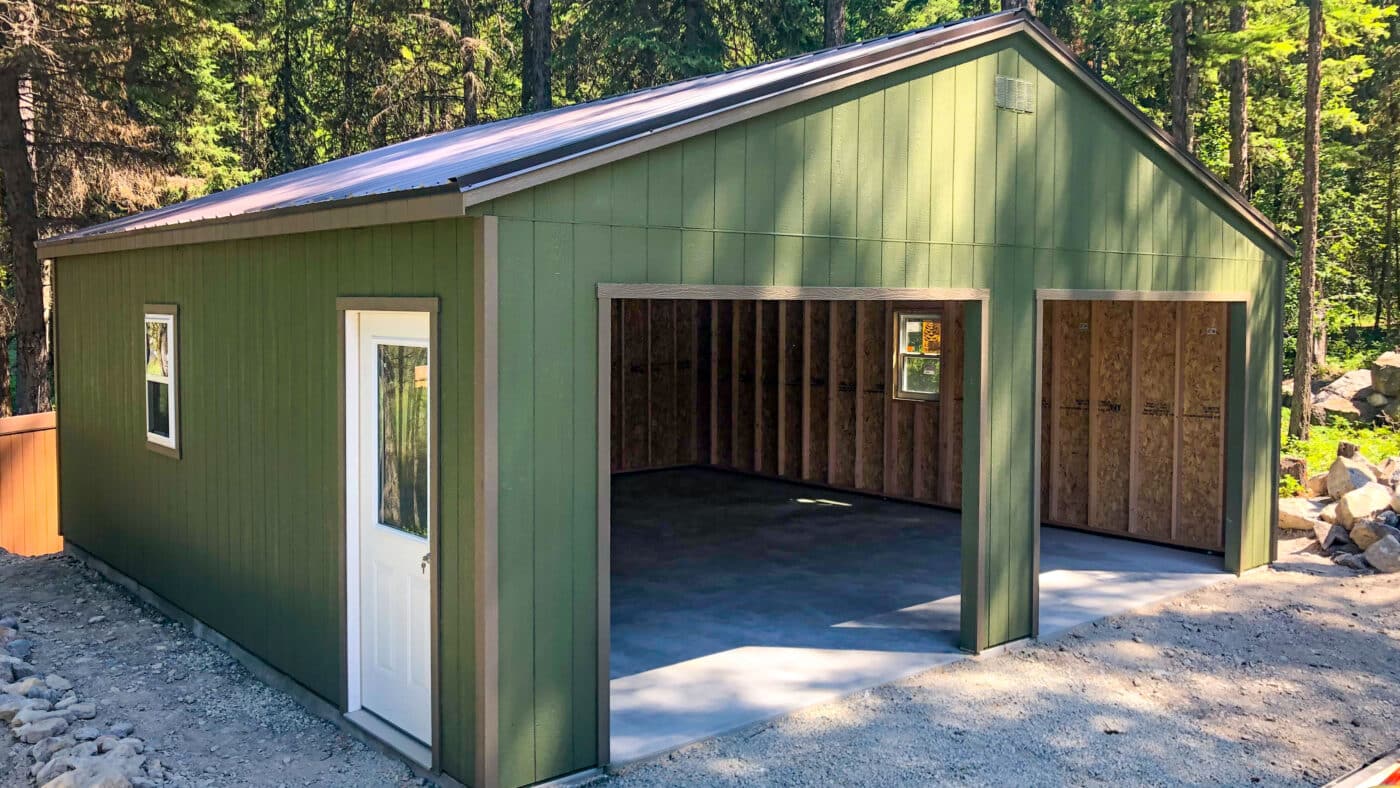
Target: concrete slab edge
point(260, 670)
point(1370, 774)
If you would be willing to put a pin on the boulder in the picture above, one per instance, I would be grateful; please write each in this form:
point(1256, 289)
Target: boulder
point(28, 687)
point(1384, 555)
point(1297, 467)
point(10, 705)
point(1300, 514)
point(37, 731)
point(1316, 485)
point(1356, 384)
point(1347, 474)
point(1365, 501)
point(1329, 513)
point(1355, 563)
point(1345, 398)
point(1391, 411)
point(1377, 400)
point(1371, 530)
point(1385, 374)
point(1330, 536)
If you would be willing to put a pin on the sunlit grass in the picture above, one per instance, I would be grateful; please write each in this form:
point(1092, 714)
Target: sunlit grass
point(1320, 449)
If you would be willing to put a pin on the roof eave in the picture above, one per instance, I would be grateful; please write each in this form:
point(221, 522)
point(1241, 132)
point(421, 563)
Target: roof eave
point(438, 202)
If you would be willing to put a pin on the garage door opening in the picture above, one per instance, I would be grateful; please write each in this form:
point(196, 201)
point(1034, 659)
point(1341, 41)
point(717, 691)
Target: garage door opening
point(1132, 453)
point(784, 524)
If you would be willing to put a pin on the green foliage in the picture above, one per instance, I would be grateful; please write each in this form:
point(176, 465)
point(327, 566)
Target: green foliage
point(1289, 487)
point(1320, 449)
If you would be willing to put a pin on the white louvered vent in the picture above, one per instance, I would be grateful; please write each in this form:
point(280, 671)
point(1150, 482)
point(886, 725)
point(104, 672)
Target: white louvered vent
point(1014, 94)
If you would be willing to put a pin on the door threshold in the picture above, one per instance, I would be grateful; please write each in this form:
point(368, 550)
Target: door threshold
point(405, 745)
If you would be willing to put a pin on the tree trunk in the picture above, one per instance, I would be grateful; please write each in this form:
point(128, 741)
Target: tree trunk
point(32, 389)
point(834, 28)
point(1181, 76)
point(1298, 420)
point(1389, 247)
point(1239, 106)
point(471, 84)
point(536, 31)
point(1008, 5)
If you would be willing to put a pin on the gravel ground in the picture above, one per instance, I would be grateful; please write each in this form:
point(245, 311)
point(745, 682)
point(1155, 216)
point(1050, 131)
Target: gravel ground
point(1288, 676)
point(205, 717)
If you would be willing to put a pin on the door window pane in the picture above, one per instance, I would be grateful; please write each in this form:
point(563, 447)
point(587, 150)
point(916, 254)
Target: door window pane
point(403, 438)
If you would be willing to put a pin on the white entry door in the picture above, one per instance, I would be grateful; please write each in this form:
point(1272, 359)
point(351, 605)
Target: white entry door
point(390, 503)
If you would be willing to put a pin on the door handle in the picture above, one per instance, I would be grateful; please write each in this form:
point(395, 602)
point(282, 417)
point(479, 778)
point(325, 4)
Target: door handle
point(426, 562)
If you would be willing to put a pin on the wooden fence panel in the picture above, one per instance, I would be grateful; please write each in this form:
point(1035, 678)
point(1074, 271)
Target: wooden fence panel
point(29, 485)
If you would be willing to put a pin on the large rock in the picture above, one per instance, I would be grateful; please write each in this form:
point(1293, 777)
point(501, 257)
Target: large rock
point(1385, 374)
point(1384, 555)
point(1345, 398)
point(1329, 513)
point(1316, 485)
point(1300, 514)
point(1330, 536)
point(1365, 501)
point(1369, 531)
point(35, 732)
point(1347, 474)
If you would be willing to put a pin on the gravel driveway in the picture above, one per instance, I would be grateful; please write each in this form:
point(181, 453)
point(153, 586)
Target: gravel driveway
point(1289, 676)
point(200, 713)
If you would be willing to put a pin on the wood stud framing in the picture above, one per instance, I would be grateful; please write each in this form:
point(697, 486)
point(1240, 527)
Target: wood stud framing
point(791, 389)
point(1132, 402)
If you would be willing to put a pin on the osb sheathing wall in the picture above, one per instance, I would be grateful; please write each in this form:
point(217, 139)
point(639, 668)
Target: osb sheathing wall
point(759, 386)
point(913, 179)
point(1134, 427)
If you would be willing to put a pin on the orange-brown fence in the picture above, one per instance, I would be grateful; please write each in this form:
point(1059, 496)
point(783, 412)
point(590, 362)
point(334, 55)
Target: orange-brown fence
point(29, 484)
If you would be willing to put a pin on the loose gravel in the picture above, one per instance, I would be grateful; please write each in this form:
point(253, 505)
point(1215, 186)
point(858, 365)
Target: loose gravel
point(208, 721)
point(1286, 676)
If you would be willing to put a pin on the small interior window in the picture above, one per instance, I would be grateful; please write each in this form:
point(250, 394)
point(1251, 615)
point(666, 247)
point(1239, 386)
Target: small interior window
point(161, 422)
point(919, 355)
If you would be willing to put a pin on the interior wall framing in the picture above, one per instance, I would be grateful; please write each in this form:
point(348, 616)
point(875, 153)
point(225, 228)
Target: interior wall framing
point(799, 390)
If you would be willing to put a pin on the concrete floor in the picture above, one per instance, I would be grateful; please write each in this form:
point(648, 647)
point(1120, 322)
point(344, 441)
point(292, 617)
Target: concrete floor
point(736, 599)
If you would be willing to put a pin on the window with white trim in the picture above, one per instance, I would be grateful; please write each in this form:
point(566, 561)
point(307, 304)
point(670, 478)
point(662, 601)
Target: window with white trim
point(162, 422)
point(919, 356)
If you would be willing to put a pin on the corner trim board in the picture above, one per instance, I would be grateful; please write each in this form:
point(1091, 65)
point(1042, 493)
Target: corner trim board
point(485, 262)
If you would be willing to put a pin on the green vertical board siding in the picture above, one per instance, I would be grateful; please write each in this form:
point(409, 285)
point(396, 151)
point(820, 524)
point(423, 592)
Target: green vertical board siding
point(913, 179)
point(243, 531)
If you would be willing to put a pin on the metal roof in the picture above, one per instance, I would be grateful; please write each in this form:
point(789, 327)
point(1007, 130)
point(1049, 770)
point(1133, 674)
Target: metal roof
point(469, 159)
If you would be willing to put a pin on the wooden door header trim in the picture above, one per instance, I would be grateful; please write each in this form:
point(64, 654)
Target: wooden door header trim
point(788, 293)
point(1224, 296)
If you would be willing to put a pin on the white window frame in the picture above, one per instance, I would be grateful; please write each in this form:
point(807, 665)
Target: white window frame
point(901, 353)
point(167, 314)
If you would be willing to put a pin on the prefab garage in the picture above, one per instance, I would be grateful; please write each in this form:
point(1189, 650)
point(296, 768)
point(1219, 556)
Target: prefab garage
point(551, 442)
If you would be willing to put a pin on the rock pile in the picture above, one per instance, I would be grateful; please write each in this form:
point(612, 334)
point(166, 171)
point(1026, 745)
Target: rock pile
point(45, 712)
point(1353, 510)
point(1361, 396)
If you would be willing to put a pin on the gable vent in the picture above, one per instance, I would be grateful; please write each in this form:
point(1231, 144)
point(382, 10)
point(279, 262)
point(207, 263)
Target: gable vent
point(1014, 94)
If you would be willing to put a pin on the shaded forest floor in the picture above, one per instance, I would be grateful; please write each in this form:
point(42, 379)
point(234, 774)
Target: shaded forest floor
point(1287, 676)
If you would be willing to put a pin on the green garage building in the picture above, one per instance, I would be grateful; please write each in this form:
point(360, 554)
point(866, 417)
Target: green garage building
point(377, 422)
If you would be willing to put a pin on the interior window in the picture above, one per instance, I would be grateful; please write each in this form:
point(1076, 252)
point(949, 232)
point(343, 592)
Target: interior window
point(161, 424)
point(919, 355)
